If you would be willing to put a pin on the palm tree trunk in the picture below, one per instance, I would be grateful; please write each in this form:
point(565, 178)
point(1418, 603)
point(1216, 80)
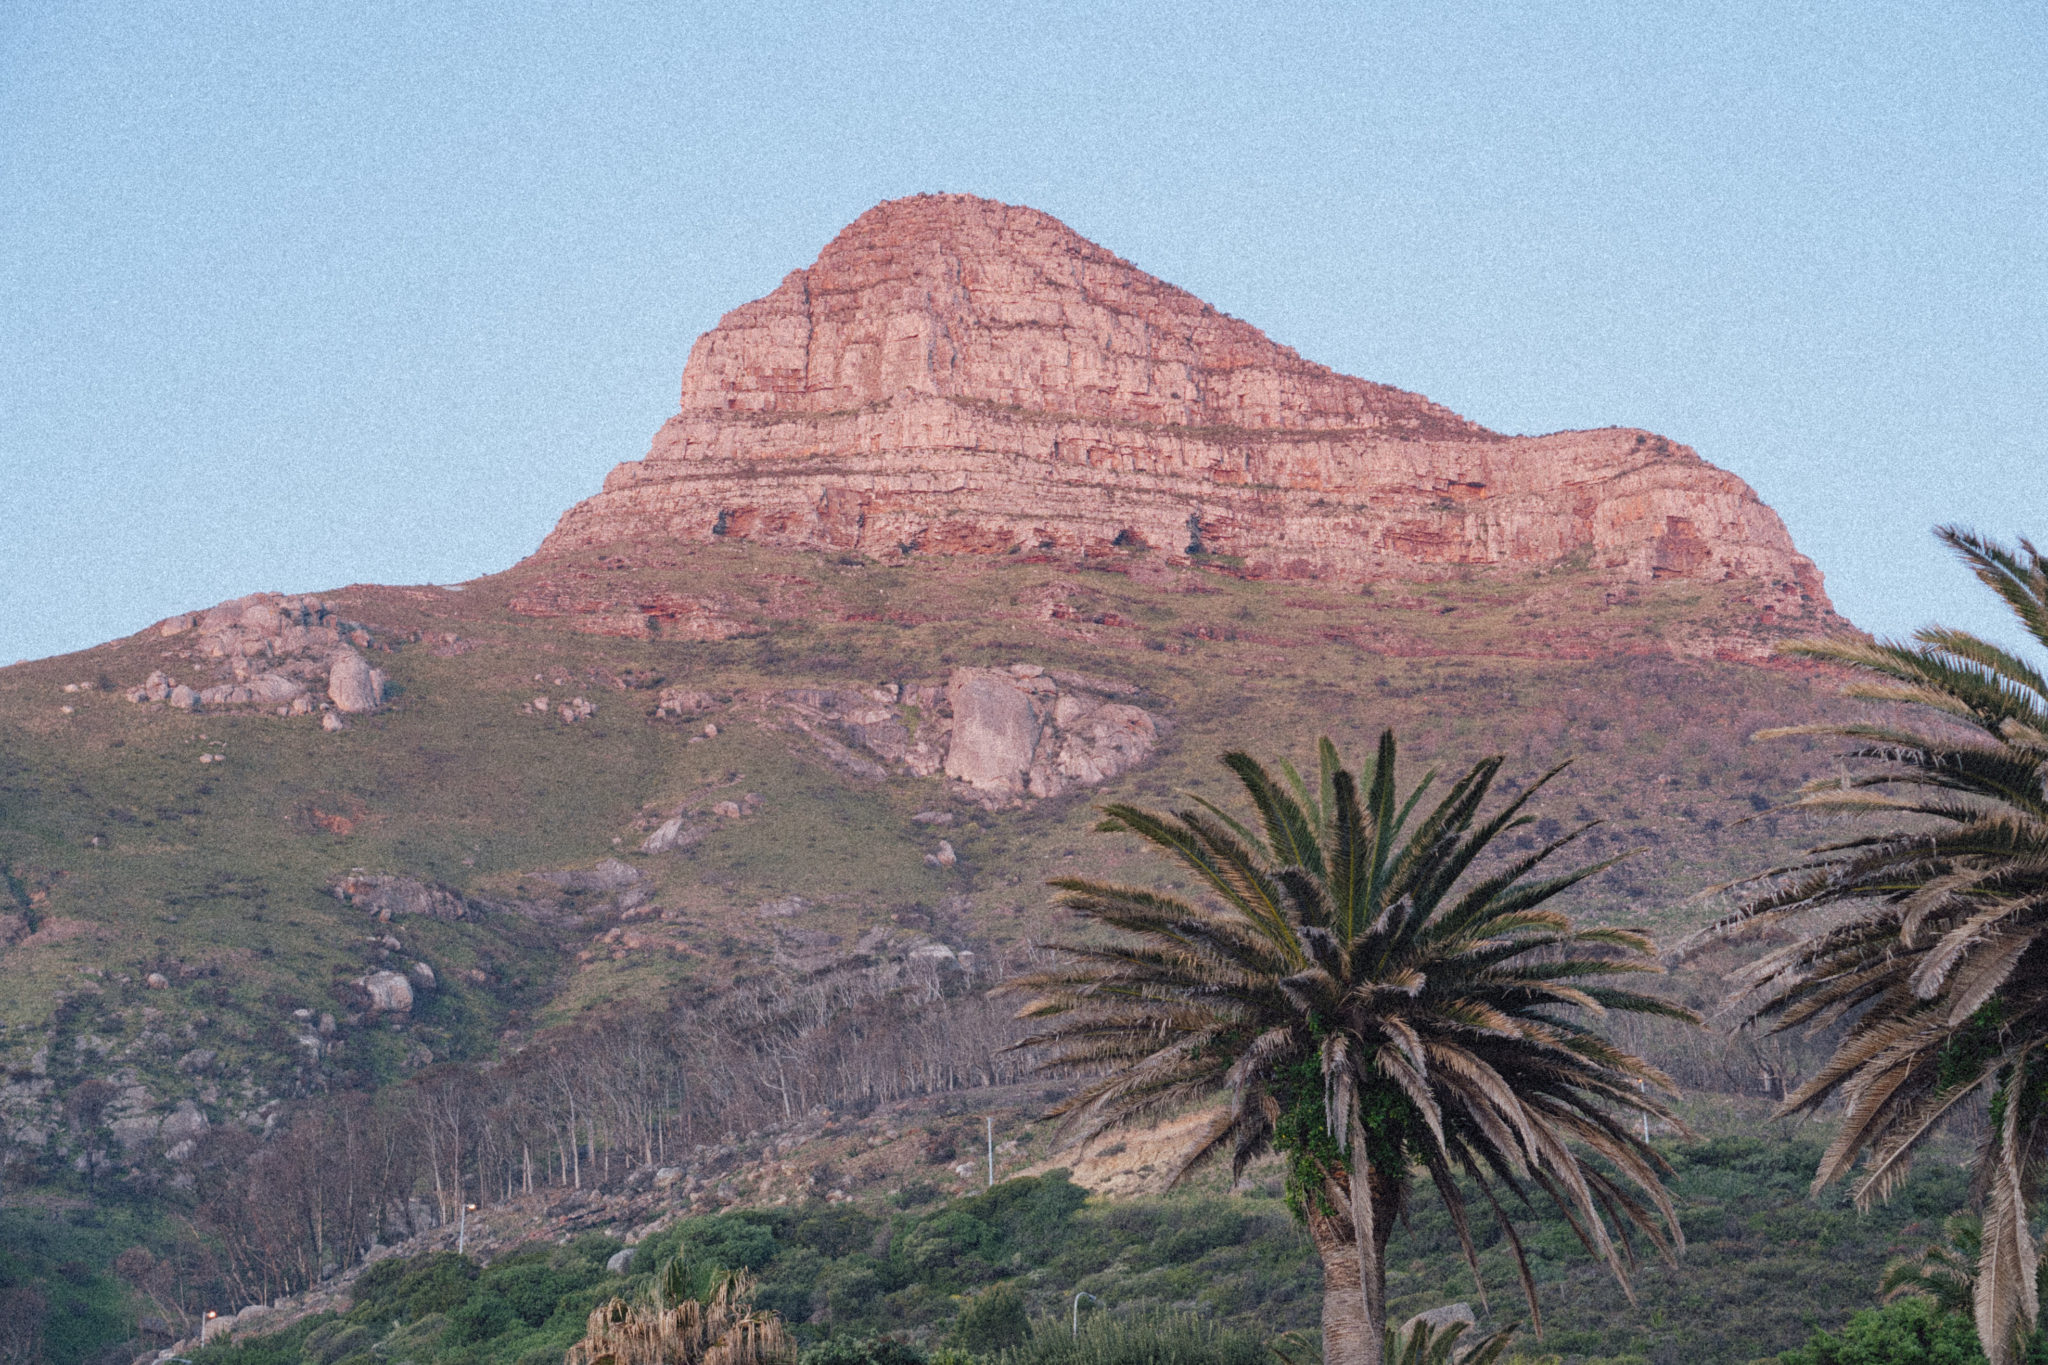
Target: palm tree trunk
point(1347, 1338)
point(1375, 1201)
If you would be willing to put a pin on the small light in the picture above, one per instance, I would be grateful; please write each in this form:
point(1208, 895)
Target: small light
point(472, 1208)
point(211, 1314)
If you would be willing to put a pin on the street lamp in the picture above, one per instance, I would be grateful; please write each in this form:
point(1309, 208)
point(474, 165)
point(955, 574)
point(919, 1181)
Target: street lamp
point(1083, 1294)
point(462, 1228)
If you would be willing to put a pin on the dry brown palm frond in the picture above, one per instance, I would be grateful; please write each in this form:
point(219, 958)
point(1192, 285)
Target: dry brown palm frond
point(724, 1329)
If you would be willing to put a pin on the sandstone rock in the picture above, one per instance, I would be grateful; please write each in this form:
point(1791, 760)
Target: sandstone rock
point(612, 874)
point(352, 685)
point(620, 1262)
point(609, 875)
point(961, 376)
point(332, 721)
point(185, 1123)
point(1442, 1317)
point(390, 898)
point(994, 730)
point(673, 833)
point(184, 698)
point(389, 992)
point(943, 856)
point(135, 1131)
point(272, 688)
point(682, 701)
point(157, 981)
point(422, 977)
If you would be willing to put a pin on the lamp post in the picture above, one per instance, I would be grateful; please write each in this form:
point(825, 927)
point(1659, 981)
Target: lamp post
point(1083, 1294)
point(462, 1229)
point(991, 1151)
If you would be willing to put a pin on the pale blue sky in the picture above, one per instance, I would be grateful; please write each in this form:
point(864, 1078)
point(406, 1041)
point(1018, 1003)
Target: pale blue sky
point(298, 295)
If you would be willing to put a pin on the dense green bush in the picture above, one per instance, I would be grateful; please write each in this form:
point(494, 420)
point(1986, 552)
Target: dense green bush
point(991, 1321)
point(846, 1350)
point(403, 1289)
point(1910, 1331)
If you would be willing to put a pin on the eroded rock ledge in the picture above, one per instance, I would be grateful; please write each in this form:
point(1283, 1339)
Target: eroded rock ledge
point(955, 375)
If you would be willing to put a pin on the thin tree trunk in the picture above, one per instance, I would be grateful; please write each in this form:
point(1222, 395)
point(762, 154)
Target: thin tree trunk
point(1346, 1338)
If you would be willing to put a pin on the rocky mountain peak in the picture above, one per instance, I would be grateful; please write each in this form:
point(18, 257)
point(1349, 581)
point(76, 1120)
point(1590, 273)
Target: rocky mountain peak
point(956, 375)
point(977, 301)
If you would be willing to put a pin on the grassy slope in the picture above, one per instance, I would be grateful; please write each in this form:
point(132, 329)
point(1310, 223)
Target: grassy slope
point(131, 856)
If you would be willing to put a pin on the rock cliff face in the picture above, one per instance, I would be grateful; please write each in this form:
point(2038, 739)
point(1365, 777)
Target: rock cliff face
point(956, 375)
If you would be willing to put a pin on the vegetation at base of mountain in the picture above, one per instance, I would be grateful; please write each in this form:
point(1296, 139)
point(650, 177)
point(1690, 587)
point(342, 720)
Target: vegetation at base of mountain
point(1934, 946)
point(62, 1298)
point(1765, 1267)
point(1375, 999)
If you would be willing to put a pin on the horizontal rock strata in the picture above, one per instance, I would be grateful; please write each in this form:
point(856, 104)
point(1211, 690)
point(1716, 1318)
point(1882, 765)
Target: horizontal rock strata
point(960, 376)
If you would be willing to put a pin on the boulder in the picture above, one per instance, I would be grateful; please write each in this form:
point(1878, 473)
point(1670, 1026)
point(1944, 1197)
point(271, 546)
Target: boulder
point(390, 897)
point(422, 976)
point(271, 688)
point(184, 698)
point(186, 1124)
point(389, 992)
point(672, 833)
point(1442, 1317)
point(994, 730)
point(352, 685)
point(136, 1130)
point(620, 1261)
point(332, 721)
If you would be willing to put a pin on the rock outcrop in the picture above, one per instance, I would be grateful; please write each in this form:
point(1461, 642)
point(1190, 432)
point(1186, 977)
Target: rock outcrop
point(957, 375)
point(269, 651)
point(1003, 733)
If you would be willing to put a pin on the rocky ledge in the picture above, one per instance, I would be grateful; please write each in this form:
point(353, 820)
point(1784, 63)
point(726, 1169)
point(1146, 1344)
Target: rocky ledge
point(961, 376)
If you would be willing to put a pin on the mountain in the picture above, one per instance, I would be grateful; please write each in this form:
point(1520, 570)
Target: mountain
point(753, 773)
point(959, 375)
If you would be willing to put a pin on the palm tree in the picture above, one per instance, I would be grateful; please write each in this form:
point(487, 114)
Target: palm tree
point(1933, 949)
point(1373, 1005)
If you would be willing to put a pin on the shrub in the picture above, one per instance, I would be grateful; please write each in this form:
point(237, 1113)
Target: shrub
point(861, 1351)
point(1178, 1339)
point(406, 1290)
point(1910, 1331)
point(991, 1321)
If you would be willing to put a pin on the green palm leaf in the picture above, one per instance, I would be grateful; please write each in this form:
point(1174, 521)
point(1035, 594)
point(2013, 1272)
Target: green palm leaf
point(1368, 1005)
